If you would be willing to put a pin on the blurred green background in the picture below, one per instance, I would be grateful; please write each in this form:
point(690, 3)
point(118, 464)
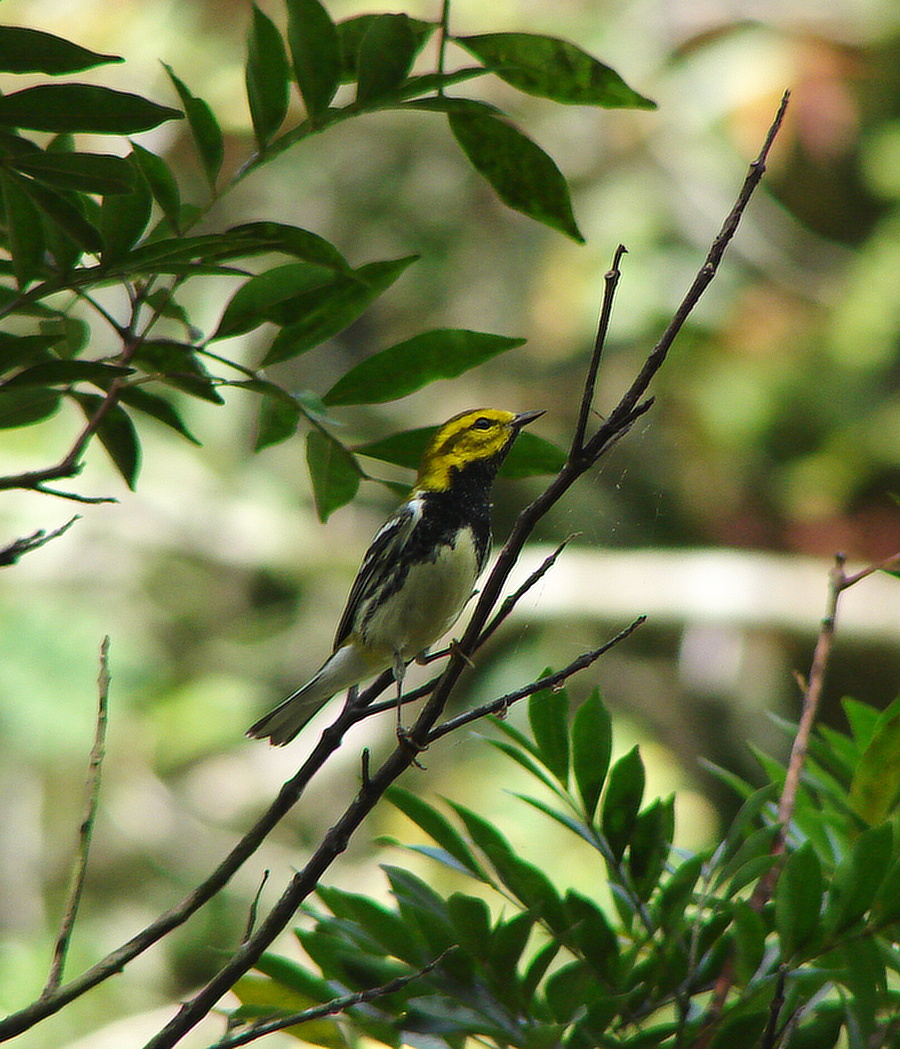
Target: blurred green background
point(775, 442)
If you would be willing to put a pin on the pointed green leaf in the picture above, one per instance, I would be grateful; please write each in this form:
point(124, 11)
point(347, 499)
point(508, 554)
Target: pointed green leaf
point(61, 211)
point(623, 800)
point(385, 55)
point(798, 900)
point(593, 934)
point(27, 405)
point(678, 891)
point(255, 301)
point(124, 217)
point(291, 240)
point(24, 50)
point(204, 127)
point(17, 351)
point(552, 68)
point(471, 918)
point(875, 787)
point(409, 365)
point(87, 108)
point(523, 176)
point(437, 827)
point(158, 408)
point(749, 940)
point(548, 715)
point(333, 471)
point(325, 312)
point(85, 172)
point(23, 228)
point(591, 750)
point(858, 877)
point(351, 32)
point(56, 373)
point(313, 42)
point(117, 435)
point(161, 182)
point(177, 364)
point(651, 840)
point(70, 334)
point(267, 77)
point(278, 419)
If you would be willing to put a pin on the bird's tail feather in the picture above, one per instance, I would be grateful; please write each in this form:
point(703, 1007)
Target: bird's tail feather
point(344, 668)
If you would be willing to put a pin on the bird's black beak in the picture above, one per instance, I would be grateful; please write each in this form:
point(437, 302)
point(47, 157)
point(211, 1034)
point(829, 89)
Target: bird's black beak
point(524, 418)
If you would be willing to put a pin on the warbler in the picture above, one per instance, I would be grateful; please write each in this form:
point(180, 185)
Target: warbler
point(420, 569)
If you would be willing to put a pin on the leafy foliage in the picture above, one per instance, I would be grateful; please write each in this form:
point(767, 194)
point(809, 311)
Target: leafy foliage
point(549, 965)
point(75, 221)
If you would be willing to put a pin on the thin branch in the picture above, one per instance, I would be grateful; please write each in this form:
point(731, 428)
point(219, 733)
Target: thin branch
point(611, 281)
point(558, 677)
point(332, 1008)
point(10, 555)
point(79, 868)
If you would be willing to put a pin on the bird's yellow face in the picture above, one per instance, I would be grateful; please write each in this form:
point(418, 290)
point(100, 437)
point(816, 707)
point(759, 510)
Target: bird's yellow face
point(480, 434)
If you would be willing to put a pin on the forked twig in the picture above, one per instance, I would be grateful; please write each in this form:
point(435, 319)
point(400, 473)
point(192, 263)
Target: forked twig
point(85, 831)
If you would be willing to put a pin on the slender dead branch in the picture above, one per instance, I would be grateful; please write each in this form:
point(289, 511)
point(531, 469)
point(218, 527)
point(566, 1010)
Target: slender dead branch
point(11, 554)
point(558, 677)
point(610, 283)
point(86, 829)
point(332, 1008)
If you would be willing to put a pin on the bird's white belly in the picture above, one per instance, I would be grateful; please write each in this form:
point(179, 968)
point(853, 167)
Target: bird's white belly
point(429, 602)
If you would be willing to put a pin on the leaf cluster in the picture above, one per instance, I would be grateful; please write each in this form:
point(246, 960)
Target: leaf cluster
point(73, 222)
point(546, 966)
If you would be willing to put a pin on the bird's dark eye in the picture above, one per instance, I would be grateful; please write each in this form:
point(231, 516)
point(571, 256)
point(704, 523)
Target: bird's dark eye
point(482, 424)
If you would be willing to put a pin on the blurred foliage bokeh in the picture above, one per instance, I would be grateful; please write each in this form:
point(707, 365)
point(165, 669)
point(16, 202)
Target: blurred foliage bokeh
point(776, 432)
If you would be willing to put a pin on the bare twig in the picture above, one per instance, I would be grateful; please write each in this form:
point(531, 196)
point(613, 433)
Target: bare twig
point(558, 677)
point(79, 868)
point(254, 906)
point(11, 554)
point(332, 1008)
point(611, 281)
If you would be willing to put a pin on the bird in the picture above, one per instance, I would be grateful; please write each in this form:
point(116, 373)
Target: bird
point(419, 570)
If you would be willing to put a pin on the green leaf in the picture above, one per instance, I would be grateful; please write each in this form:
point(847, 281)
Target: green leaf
point(352, 31)
point(798, 900)
point(382, 925)
point(124, 217)
point(471, 918)
point(875, 787)
point(70, 334)
point(24, 50)
point(279, 416)
point(254, 302)
point(17, 351)
point(523, 176)
point(61, 212)
point(204, 127)
point(177, 365)
point(862, 719)
point(507, 944)
point(263, 998)
point(678, 891)
point(87, 108)
point(161, 182)
point(444, 353)
point(84, 172)
point(548, 715)
point(117, 435)
point(291, 240)
point(651, 840)
point(158, 408)
point(591, 750)
point(623, 800)
point(385, 56)
point(266, 76)
point(436, 826)
point(552, 68)
point(593, 935)
point(23, 227)
point(333, 471)
point(858, 877)
point(313, 42)
point(742, 1030)
point(325, 312)
point(749, 940)
point(57, 373)
point(26, 405)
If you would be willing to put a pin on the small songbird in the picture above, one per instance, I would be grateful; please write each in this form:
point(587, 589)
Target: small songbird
point(420, 569)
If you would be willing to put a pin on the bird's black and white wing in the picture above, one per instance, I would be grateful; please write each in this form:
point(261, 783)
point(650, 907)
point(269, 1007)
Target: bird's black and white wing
point(380, 561)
